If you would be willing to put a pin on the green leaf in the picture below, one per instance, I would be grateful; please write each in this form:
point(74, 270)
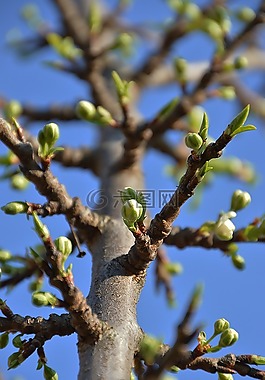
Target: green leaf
point(238, 121)
point(203, 132)
point(244, 128)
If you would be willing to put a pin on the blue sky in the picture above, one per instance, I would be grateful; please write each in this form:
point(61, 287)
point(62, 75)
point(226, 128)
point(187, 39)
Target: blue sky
point(228, 293)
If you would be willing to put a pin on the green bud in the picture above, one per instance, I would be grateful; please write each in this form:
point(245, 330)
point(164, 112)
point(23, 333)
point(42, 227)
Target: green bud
point(131, 211)
point(13, 208)
point(193, 141)
point(228, 338)
point(220, 326)
point(124, 42)
point(51, 133)
point(192, 11)
point(64, 245)
point(103, 116)
point(94, 17)
point(5, 255)
point(149, 348)
point(4, 339)
point(225, 376)
point(13, 109)
point(180, 69)
point(246, 14)
point(212, 28)
point(39, 299)
point(17, 342)
point(19, 182)
point(40, 228)
point(240, 199)
point(238, 261)
point(86, 110)
point(49, 373)
point(174, 268)
point(227, 92)
point(257, 359)
point(240, 62)
point(43, 299)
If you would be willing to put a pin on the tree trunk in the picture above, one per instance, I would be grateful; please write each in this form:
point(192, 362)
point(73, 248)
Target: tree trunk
point(114, 292)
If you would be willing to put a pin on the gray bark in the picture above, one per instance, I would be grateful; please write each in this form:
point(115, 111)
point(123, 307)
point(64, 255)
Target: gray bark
point(114, 293)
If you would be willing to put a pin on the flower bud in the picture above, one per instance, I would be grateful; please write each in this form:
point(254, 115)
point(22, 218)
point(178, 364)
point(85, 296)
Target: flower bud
point(19, 182)
point(13, 208)
point(51, 133)
point(224, 228)
point(240, 62)
point(4, 339)
point(240, 199)
point(228, 338)
point(174, 268)
point(220, 326)
point(5, 255)
point(193, 141)
point(131, 211)
point(103, 116)
point(85, 110)
point(43, 299)
point(64, 245)
point(39, 299)
point(238, 261)
point(225, 376)
point(40, 228)
point(246, 14)
point(149, 348)
point(13, 109)
point(227, 92)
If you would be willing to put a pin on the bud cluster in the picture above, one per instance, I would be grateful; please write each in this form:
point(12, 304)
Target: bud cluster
point(228, 336)
point(133, 209)
point(99, 115)
point(47, 138)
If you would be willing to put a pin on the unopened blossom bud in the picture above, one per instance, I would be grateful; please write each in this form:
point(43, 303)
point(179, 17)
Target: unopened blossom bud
point(51, 133)
point(39, 299)
point(246, 14)
point(228, 338)
point(13, 208)
point(220, 326)
point(85, 110)
point(131, 211)
point(193, 141)
point(13, 109)
point(224, 228)
point(238, 261)
point(19, 182)
point(240, 199)
point(4, 255)
point(240, 62)
point(225, 376)
point(103, 116)
point(64, 245)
